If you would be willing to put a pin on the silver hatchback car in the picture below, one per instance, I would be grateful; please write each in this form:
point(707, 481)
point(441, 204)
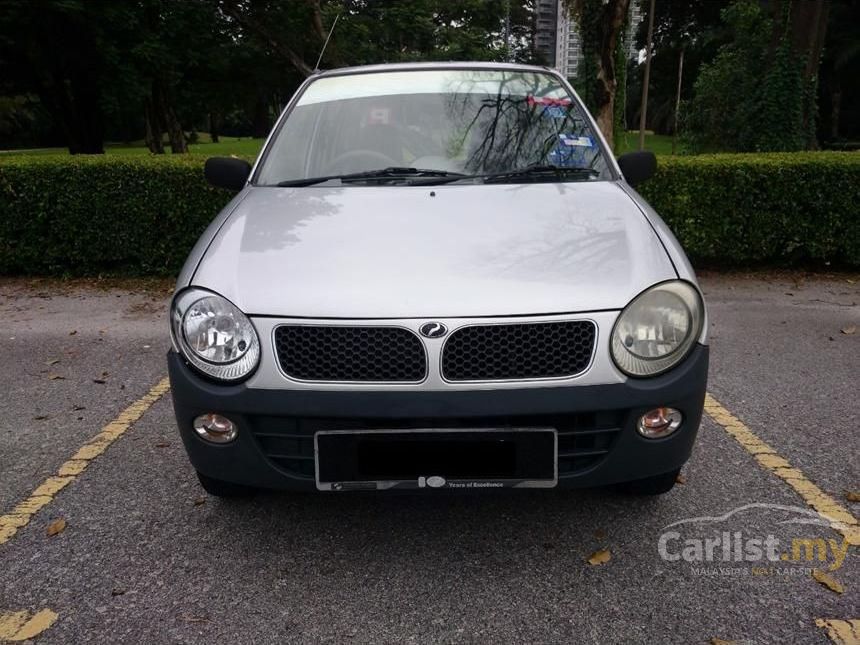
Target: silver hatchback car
point(436, 276)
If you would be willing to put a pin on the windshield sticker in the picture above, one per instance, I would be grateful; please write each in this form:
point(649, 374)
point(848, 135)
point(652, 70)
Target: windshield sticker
point(379, 116)
point(570, 140)
point(546, 100)
point(554, 112)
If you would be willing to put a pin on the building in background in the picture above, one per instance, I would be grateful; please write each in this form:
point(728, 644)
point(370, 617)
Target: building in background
point(547, 14)
point(568, 45)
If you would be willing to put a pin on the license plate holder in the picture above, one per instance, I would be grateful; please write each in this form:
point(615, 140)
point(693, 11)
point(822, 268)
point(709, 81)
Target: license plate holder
point(459, 459)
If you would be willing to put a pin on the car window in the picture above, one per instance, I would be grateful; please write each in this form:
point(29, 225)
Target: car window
point(467, 121)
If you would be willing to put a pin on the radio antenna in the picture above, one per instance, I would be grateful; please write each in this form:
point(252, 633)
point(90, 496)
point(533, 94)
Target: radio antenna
point(325, 44)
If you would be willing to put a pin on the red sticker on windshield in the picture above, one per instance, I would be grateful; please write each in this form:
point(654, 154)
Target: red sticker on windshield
point(546, 100)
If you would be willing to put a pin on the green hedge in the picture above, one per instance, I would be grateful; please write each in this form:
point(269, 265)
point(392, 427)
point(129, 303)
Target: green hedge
point(777, 209)
point(102, 214)
point(140, 216)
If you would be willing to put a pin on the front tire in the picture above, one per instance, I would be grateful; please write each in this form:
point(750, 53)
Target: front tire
point(656, 485)
point(219, 488)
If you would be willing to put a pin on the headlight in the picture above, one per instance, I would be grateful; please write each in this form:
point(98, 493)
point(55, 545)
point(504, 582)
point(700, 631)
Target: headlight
point(213, 335)
point(657, 329)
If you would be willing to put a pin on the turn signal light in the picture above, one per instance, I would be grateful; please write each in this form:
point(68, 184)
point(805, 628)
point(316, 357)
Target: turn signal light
point(215, 428)
point(659, 422)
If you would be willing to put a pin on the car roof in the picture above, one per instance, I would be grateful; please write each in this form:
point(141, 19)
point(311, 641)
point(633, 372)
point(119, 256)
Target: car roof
point(405, 67)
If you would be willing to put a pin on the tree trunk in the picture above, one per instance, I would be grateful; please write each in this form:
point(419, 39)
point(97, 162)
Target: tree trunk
point(68, 83)
point(835, 108)
point(154, 134)
point(175, 135)
point(603, 33)
point(806, 29)
point(214, 126)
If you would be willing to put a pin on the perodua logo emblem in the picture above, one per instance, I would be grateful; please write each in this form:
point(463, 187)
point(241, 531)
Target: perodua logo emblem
point(433, 330)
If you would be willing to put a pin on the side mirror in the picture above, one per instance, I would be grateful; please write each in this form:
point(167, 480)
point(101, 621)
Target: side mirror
point(227, 172)
point(638, 166)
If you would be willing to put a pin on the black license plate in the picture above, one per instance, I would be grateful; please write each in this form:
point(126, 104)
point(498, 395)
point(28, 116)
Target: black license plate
point(482, 458)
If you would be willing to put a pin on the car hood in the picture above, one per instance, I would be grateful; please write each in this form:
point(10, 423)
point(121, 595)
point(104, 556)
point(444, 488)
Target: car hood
point(434, 252)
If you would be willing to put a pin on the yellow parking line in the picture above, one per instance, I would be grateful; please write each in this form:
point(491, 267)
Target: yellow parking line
point(840, 518)
point(844, 632)
point(45, 492)
point(22, 626)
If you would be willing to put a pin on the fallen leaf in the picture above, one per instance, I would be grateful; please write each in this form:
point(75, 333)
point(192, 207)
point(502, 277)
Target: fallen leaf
point(73, 332)
point(850, 330)
point(195, 619)
point(600, 557)
point(105, 374)
point(53, 361)
point(100, 381)
point(681, 478)
point(41, 417)
point(56, 377)
point(79, 407)
point(57, 526)
point(199, 501)
point(828, 581)
point(117, 591)
point(852, 496)
point(162, 444)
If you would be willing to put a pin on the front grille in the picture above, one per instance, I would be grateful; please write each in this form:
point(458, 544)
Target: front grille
point(347, 353)
point(518, 351)
point(584, 439)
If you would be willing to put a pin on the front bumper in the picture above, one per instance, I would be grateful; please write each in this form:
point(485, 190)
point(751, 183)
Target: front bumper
point(598, 443)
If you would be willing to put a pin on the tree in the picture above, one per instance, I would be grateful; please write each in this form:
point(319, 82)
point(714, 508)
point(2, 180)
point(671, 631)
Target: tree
point(691, 25)
point(53, 49)
point(758, 93)
point(601, 26)
point(840, 67)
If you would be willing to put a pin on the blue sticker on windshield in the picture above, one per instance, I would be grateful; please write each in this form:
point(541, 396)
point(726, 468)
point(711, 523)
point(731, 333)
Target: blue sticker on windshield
point(554, 112)
point(571, 151)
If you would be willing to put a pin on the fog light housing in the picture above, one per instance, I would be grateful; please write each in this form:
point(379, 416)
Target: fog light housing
point(659, 422)
point(215, 428)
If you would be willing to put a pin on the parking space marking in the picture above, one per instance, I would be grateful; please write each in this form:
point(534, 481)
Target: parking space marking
point(21, 625)
point(844, 632)
point(840, 518)
point(45, 492)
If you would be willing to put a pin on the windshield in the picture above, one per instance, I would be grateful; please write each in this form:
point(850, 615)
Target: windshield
point(456, 121)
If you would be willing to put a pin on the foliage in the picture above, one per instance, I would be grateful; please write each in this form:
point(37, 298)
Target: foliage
point(120, 71)
point(602, 25)
point(691, 25)
point(839, 91)
point(776, 208)
point(140, 215)
point(753, 96)
point(130, 215)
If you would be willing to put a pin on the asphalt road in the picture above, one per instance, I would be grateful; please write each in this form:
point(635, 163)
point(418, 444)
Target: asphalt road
point(147, 557)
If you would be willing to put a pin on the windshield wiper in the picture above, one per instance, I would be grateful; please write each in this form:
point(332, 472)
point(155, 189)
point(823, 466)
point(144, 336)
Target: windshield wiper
point(535, 171)
point(392, 172)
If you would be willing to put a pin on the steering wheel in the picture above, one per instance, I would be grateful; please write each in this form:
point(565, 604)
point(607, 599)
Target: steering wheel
point(357, 161)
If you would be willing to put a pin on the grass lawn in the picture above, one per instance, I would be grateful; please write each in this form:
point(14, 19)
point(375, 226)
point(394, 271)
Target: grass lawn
point(226, 146)
point(657, 143)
